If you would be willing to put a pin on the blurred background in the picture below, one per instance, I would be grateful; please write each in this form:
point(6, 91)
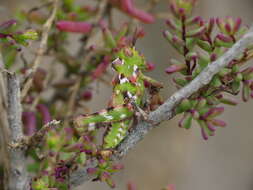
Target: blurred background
point(170, 155)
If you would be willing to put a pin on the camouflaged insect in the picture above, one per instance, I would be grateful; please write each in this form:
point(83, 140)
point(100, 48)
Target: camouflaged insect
point(128, 93)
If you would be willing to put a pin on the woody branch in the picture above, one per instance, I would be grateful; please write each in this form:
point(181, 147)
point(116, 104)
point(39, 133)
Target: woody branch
point(166, 110)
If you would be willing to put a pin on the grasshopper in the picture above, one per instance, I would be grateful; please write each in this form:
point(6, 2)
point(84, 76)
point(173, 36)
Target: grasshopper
point(129, 91)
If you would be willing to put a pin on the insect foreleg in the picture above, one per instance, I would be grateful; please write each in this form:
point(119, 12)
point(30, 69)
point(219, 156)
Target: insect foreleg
point(109, 115)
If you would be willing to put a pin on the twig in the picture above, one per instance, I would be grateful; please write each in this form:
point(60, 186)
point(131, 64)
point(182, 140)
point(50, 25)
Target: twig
point(41, 50)
point(72, 99)
point(166, 110)
point(36, 139)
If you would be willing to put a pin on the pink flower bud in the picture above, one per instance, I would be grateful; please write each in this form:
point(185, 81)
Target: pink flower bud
point(197, 19)
point(213, 57)
point(237, 25)
point(196, 32)
point(181, 11)
point(218, 122)
point(174, 8)
point(117, 166)
point(224, 38)
point(87, 139)
point(170, 22)
point(203, 133)
point(142, 16)
point(175, 68)
point(87, 95)
point(139, 33)
point(7, 24)
point(29, 121)
point(147, 84)
point(177, 40)
point(213, 112)
point(210, 25)
point(150, 66)
point(228, 28)
point(128, 7)
point(220, 23)
point(74, 26)
point(101, 161)
point(105, 175)
point(100, 70)
point(210, 127)
point(43, 110)
point(195, 113)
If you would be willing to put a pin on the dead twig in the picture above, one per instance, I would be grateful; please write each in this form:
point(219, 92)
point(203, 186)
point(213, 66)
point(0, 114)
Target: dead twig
point(41, 50)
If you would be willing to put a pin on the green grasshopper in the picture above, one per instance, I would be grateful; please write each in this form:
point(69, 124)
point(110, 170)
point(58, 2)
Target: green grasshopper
point(127, 98)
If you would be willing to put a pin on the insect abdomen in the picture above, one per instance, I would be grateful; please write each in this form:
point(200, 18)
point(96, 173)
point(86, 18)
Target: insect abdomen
point(116, 134)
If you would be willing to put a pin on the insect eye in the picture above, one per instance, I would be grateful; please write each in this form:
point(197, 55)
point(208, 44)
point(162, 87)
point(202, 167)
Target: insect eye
point(117, 62)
